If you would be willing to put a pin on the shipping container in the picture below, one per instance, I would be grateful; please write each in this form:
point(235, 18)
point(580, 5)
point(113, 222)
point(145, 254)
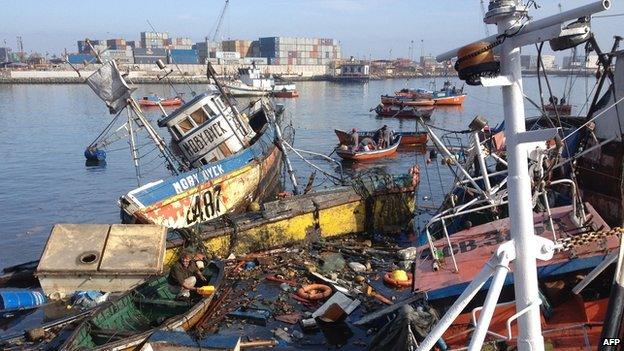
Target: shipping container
point(150, 52)
point(81, 58)
point(185, 57)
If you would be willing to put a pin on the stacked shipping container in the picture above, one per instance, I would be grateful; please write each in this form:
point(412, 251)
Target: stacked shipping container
point(299, 51)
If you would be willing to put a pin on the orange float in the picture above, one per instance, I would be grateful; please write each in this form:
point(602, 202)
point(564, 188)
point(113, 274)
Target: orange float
point(314, 292)
point(397, 283)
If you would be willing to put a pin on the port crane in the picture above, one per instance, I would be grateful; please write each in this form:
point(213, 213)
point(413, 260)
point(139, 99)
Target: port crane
point(219, 21)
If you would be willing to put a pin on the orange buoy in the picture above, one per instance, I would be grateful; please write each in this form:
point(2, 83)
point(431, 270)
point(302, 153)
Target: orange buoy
point(388, 279)
point(314, 292)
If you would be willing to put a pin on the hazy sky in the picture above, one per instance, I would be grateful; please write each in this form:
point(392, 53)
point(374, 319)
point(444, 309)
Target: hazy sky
point(364, 27)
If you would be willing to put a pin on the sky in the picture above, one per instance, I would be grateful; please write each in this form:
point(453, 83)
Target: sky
point(365, 28)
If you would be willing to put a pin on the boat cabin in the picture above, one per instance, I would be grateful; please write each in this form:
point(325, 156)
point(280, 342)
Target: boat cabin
point(254, 78)
point(206, 130)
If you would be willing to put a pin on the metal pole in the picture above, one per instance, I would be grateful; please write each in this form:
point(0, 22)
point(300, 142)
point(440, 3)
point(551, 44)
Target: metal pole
point(519, 190)
point(447, 153)
point(489, 305)
point(460, 303)
point(482, 166)
point(135, 156)
point(615, 309)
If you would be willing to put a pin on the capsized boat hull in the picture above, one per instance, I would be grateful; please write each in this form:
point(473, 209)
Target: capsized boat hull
point(199, 195)
point(324, 214)
point(407, 138)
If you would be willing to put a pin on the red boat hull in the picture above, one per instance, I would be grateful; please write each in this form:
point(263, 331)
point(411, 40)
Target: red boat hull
point(286, 94)
point(166, 102)
point(368, 155)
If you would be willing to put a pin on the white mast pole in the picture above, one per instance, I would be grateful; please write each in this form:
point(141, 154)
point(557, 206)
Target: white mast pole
point(519, 190)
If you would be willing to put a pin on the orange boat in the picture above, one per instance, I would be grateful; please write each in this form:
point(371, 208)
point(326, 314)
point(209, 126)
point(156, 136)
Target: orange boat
point(454, 100)
point(351, 155)
point(564, 110)
point(154, 100)
point(574, 324)
point(407, 138)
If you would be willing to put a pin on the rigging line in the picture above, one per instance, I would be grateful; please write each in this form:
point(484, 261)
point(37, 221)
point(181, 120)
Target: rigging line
point(588, 96)
point(605, 16)
point(593, 118)
point(107, 127)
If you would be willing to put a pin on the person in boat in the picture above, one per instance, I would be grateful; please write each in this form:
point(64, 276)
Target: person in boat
point(386, 136)
point(183, 276)
point(553, 100)
point(562, 101)
point(354, 140)
point(378, 136)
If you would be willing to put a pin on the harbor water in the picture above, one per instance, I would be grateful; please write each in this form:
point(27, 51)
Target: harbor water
point(44, 130)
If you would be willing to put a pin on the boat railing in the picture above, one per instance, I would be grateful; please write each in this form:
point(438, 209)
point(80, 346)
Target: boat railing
point(480, 204)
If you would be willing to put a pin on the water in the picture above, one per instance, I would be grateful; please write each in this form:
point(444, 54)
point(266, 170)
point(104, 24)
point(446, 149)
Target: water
point(44, 130)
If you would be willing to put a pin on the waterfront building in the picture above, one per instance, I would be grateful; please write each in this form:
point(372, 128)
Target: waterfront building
point(529, 62)
point(299, 51)
point(580, 62)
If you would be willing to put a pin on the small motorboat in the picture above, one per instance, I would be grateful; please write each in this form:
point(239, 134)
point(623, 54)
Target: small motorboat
point(286, 93)
point(447, 96)
point(405, 101)
point(404, 111)
point(125, 323)
point(407, 138)
point(153, 100)
point(363, 155)
point(563, 110)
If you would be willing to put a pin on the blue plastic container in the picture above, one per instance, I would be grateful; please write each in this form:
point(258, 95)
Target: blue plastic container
point(14, 299)
point(94, 154)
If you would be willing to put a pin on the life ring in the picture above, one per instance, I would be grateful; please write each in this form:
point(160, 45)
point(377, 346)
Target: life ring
point(314, 292)
point(397, 283)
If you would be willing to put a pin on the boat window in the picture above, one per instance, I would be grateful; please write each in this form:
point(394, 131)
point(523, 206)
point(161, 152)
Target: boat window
point(200, 116)
point(210, 111)
point(185, 125)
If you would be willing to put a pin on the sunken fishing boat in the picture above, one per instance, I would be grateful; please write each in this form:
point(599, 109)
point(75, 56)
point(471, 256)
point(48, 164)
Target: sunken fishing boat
point(220, 159)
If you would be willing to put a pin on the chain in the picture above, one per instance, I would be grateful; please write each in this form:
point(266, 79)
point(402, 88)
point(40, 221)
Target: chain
point(475, 53)
point(589, 237)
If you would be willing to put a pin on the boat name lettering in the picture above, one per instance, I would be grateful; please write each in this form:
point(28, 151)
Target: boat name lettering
point(204, 206)
point(204, 138)
point(494, 238)
point(194, 180)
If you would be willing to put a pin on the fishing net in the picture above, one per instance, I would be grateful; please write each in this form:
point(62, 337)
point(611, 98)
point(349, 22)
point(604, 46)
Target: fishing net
point(388, 208)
